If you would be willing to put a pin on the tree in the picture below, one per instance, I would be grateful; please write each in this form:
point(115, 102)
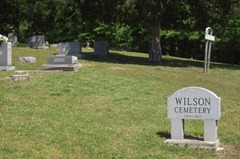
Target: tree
point(184, 28)
point(228, 43)
point(9, 16)
point(67, 21)
point(133, 12)
point(150, 12)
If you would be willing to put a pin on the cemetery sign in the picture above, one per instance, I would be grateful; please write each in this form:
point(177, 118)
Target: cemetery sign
point(198, 104)
point(194, 103)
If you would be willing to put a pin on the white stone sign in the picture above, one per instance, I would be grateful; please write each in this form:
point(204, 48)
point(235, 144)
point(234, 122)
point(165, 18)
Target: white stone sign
point(194, 103)
point(198, 104)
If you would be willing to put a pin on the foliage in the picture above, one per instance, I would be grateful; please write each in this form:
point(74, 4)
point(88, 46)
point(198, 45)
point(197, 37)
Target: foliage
point(190, 18)
point(119, 35)
point(228, 45)
point(130, 24)
point(150, 13)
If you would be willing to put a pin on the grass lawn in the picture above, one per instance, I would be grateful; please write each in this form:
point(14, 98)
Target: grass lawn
point(111, 108)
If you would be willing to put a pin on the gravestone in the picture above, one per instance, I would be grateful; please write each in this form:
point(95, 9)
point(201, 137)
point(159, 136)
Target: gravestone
point(6, 56)
point(37, 42)
point(88, 44)
point(62, 60)
point(194, 103)
point(27, 59)
point(12, 38)
point(64, 63)
point(101, 48)
point(19, 77)
point(70, 48)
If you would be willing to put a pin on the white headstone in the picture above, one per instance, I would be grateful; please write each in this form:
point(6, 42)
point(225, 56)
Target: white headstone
point(6, 56)
point(62, 60)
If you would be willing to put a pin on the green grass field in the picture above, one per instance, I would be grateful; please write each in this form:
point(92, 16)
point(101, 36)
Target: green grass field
point(113, 107)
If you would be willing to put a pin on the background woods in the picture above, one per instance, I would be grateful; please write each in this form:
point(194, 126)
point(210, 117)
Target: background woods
point(170, 27)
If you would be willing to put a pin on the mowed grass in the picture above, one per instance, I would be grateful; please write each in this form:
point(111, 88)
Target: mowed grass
point(113, 107)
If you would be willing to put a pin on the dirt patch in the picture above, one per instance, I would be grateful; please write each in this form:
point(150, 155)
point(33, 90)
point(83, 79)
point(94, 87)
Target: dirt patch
point(118, 68)
point(87, 64)
point(229, 151)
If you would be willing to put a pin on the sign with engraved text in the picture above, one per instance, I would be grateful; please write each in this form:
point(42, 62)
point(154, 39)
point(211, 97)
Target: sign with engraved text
point(194, 103)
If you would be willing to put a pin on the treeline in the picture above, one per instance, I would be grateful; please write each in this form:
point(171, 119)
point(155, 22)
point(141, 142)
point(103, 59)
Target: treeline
point(129, 24)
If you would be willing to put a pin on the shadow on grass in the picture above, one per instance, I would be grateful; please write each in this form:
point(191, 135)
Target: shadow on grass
point(167, 135)
point(115, 57)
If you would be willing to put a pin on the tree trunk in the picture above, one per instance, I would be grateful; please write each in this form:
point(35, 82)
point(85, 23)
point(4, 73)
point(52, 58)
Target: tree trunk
point(155, 51)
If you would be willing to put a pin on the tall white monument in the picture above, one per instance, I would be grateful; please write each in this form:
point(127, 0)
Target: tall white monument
point(209, 39)
point(6, 56)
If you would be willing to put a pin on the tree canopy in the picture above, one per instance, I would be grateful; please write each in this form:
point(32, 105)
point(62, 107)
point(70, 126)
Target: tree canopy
point(156, 26)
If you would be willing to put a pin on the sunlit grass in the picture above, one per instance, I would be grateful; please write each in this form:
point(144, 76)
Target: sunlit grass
point(113, 107)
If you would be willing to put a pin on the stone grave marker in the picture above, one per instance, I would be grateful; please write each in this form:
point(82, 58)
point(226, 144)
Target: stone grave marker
point(12, 38)
point(29, 59)
point(101, 48)
point(64, 63)
point(37, 42)
point(70, 48)
point(194, 103)
point(19, 77)
point(88, 44)
point(6, 56)
point(62, 60)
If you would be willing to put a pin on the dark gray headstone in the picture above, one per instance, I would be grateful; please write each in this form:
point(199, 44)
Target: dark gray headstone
point(37, 42)
point(70, 48)
point(12, 38)
point(62, 60)
point(101, 48)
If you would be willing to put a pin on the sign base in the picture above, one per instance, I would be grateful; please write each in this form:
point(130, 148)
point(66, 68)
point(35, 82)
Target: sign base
point(194, 144)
